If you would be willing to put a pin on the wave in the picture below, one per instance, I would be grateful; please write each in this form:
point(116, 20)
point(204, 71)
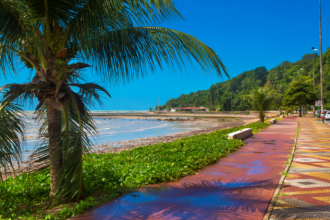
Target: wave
point(142, 129)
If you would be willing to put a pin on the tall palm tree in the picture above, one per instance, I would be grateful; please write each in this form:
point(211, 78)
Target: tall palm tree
point(261, 100)
point(56, 38)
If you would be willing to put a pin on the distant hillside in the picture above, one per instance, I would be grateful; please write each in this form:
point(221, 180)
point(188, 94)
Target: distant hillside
point(219, 95)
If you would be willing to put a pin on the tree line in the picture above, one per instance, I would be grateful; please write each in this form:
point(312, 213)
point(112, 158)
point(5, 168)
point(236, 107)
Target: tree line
point(224, 94)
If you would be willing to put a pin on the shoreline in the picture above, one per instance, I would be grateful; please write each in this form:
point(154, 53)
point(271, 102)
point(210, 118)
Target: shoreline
point(119, 146)
point(141, 142)
point(161, 115)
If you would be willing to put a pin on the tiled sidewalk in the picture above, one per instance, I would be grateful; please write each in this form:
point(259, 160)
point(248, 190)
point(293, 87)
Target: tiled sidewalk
point(306, 190)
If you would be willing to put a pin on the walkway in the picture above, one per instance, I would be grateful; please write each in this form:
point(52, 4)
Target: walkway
point(239, 186)
point(306, 190)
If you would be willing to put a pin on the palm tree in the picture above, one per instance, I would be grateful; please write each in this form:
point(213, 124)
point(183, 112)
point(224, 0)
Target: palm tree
point(261, 99)
point(56, 38)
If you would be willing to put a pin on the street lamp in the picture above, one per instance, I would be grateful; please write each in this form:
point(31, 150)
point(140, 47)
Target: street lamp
point(313, 79)
point(313, 68)
point(321, 65)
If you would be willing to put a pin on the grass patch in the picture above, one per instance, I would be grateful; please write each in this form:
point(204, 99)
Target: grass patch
point(281, 195)
point(109, 175)
point(284, 173)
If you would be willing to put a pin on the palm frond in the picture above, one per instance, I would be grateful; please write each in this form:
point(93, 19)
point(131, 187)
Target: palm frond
point(91, 92)
point(129, 53)
point(11, 137)
point(101, 15)
point(18, 92)
point(11, 24)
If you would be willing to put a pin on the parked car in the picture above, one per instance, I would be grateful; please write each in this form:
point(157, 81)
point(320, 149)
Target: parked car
point(327, 115)
point(318, 113)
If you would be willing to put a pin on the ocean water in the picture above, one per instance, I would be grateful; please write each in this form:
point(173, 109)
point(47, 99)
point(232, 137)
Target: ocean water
point(113, 130)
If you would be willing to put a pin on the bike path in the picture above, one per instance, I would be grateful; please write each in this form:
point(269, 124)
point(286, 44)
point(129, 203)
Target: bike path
point(238, 186)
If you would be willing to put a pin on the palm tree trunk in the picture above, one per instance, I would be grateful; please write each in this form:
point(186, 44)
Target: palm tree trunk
point(300, 111)
point(262, 117)
point(54, 118)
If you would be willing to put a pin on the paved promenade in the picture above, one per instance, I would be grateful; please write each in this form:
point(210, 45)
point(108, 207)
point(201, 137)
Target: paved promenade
point(306, 190)
point(239, 186)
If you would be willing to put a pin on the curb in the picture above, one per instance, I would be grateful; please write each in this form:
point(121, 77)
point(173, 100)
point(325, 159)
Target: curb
point(280, 183)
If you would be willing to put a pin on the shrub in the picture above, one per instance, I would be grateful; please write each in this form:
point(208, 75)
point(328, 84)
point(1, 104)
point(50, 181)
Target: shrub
point(212, 108)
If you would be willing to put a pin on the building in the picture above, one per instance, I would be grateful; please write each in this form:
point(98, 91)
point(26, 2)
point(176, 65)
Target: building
point(190, 109)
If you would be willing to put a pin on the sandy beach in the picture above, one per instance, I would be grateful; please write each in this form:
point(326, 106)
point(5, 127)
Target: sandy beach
point(116, 147)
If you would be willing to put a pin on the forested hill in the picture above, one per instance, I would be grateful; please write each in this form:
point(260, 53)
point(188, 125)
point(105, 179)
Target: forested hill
point(219, 95)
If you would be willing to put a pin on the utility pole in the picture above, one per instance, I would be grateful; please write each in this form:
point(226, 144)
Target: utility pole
point(321, 65)
point(313, 80)
point(313, 71)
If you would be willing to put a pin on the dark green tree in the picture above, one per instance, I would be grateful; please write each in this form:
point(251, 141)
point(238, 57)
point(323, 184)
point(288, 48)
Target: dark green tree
point(212, 94)
point(300, 93)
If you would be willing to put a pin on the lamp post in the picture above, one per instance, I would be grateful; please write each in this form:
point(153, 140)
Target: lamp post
point(321, 65)
point(313, 79)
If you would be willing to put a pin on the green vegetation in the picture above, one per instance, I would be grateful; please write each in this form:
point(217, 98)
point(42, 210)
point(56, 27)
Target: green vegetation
point(277, 78)
point(284, 173)
point(300, 93)
point(260, 100)
point(110, 175)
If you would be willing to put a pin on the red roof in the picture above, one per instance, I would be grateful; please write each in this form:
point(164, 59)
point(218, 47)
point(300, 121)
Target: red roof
point(190, 108)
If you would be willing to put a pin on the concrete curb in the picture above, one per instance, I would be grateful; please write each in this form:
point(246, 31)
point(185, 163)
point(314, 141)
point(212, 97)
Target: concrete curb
point(280, 183)
point(247, 132)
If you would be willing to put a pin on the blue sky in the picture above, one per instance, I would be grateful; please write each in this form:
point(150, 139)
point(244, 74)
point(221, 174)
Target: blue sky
point(245, 34)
